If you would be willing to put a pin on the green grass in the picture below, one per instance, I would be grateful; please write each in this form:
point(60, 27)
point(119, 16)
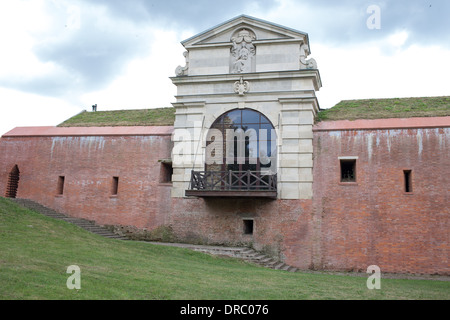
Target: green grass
point(144, 117)
point(344, 110)
point(387, 108)
point(35, 252)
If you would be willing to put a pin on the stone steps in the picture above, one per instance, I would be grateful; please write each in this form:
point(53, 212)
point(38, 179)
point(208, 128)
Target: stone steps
point(247, 254)
point(82, 223)
point(243, 253)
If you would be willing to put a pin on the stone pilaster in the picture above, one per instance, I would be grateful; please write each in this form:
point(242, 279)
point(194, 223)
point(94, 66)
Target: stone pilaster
point(296, 149)
point(187, 138)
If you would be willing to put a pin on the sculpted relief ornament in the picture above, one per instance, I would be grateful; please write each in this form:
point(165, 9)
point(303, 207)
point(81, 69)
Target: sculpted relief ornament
point(242, 52)
point(306, 64)
point(241, 87)
point(183, 71)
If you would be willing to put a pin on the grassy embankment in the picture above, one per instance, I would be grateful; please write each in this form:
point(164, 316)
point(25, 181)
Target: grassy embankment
point(35, 252)
point(143, 117)
point(387, 108)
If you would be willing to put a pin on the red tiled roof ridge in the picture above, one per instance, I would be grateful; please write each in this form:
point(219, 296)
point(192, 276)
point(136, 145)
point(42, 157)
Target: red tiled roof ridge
point(391, 123)
point(89, 131)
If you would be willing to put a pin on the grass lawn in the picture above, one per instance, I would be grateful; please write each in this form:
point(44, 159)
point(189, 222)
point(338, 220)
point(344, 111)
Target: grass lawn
point(35, 252)
point(344, 110)
point(387, 108)
point(141, 117)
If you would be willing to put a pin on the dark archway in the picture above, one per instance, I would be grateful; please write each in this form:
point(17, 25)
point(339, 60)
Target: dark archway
point(13, 182)
point(240, 157)
point(247, 141)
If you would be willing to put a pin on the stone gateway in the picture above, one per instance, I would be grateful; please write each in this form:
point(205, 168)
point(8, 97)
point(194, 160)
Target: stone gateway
point(245, 161)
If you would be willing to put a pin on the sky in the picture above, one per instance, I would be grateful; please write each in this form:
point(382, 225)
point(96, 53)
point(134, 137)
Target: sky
point(59, 57)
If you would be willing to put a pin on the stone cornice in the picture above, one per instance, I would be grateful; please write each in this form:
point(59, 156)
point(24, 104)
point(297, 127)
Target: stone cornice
point(288, 33)
point(254, 76)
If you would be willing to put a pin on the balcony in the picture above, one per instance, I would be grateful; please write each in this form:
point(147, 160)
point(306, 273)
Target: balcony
point(236, 184)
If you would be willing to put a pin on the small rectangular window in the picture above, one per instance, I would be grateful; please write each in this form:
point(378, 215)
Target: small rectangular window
point(248, 226)
point(348, 170)
point(60, 189)
point(115, 186)
point(166, 172)
point(407, 180)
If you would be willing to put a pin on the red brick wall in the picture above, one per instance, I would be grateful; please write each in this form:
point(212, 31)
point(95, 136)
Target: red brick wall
point(89, 165)
point(373, 221)
point(344, 227)
point(281, 227)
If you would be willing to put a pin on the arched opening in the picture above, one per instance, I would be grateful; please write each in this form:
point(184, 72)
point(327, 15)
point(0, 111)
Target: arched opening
point(240, 157)
point(13, 182)
point(241, 140)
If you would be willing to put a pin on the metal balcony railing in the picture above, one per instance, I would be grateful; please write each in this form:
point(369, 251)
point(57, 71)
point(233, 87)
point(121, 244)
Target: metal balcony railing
point(233, 181)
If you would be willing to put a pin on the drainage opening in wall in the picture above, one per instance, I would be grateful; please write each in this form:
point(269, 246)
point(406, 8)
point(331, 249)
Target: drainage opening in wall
point(407, 181)
point(60, 186)
point(115, 186)
point(248, 226)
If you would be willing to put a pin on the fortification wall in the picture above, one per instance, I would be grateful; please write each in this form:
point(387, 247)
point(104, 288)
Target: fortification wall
point(281, 228)
point(347, 225)
point(375, 219)
point(88, 165)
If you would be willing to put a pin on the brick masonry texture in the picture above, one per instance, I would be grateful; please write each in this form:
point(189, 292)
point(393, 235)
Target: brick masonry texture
point(346, 226)
point(281, 227)
point(373, 220)
point(89, 165)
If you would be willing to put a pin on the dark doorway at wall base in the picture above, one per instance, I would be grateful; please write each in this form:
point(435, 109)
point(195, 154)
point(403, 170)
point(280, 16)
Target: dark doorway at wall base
point(13, 182)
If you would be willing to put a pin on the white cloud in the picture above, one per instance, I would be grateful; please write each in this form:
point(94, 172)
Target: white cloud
point(145, 83)
point(352, 66)
point(19, 22)
point(365, 72)
point(398, 39)
point(19, 109)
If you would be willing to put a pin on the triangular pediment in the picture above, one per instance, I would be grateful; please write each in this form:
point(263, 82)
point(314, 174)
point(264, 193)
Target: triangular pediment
point(262, 30)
